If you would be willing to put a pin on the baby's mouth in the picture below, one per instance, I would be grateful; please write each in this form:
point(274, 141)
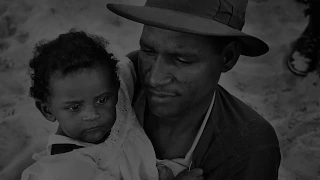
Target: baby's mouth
point(95, 128)
point(95, 131)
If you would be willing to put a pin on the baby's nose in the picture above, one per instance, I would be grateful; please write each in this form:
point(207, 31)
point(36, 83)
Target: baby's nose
point(91, 114)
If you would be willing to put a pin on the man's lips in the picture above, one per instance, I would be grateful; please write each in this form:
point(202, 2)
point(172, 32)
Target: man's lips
point(161, 94)
point(160, 97)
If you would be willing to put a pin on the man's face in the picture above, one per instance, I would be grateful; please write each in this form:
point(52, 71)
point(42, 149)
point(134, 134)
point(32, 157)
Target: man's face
point(179, 71)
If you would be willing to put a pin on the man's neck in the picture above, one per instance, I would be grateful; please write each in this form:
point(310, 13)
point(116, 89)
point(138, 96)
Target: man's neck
point(188, 121)
point(173, 137)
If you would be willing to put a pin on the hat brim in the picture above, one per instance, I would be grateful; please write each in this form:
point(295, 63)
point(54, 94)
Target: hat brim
point(184, 22)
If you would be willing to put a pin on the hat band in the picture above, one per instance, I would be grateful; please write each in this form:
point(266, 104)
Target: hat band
point(224, 13)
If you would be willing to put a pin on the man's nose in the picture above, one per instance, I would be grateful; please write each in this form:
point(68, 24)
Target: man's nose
point(90, 114)
point(158, 74)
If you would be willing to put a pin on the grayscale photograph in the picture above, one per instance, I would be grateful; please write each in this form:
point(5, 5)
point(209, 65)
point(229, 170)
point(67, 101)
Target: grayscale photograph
point(159, 90)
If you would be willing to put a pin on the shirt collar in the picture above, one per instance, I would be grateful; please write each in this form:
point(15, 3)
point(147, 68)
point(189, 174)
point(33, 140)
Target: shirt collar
point(59, 139)
point(203, 125)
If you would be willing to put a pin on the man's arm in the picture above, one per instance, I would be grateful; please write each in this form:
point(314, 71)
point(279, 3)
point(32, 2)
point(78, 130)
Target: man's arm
point(262, 165)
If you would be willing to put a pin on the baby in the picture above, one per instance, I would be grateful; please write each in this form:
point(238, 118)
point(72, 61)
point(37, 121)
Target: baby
point(79, 83)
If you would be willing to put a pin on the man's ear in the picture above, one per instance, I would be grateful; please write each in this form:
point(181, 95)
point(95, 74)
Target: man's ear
point(45, 110)
point(231, 54)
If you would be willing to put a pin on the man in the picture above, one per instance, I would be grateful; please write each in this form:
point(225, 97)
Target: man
point(191, 121)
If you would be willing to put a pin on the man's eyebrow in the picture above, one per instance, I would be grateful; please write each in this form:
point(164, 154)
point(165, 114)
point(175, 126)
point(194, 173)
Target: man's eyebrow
point(143, 42)
point(183, 53)
point(189, 53)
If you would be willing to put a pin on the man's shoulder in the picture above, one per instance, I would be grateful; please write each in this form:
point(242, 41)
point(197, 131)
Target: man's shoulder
point(242, 128)
point(243, 145)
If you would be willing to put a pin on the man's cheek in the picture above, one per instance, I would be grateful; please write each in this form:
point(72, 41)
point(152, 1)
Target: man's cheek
point(188, 76)
point(144, 67)
point(144, 76)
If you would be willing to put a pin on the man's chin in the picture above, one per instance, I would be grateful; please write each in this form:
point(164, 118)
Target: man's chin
point(162, 111)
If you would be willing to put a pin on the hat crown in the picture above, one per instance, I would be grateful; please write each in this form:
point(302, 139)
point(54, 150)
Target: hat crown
point(228, 12)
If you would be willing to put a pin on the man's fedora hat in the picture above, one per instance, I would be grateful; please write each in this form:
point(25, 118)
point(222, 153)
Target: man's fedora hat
point(203, 17)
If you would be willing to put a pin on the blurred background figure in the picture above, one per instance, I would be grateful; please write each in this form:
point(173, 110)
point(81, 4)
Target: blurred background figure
point(305, 57)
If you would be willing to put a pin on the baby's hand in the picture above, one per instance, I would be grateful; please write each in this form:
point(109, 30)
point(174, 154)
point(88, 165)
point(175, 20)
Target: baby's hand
point(195, 174)
point(165, 173)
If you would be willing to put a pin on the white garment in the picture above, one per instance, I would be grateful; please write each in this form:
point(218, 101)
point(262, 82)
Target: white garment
point(126, 154)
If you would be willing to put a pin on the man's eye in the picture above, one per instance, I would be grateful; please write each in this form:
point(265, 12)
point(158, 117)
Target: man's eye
point(148, 52)
point(102, 100)
point(181, 61)
point(74, 107)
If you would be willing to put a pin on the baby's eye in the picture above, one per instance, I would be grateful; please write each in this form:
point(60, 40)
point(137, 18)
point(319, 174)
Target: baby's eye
point(102, 100)
point(74, 107)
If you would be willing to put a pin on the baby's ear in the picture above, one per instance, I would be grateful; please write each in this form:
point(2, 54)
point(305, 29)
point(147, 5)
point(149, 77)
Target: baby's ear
point(45, 110)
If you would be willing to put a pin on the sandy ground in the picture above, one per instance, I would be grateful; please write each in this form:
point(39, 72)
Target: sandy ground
point(289, 103)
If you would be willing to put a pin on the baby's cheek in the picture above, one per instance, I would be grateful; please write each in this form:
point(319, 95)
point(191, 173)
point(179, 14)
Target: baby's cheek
point(72, 127)
point(109, 109)
point(108, 116)
point(73, 132)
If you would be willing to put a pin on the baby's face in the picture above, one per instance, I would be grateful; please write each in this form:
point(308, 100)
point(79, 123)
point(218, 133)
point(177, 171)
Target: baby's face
point(84, 104)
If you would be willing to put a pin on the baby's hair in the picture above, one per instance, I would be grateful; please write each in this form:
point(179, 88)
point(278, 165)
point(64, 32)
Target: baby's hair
point(66, 54)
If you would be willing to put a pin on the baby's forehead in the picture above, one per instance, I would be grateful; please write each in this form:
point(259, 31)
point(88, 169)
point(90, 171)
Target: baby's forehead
point(92, 71)
point(85, 82)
